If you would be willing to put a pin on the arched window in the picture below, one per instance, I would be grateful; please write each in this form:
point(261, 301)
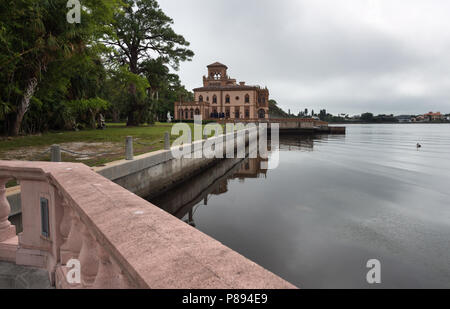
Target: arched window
point(247, 113)
point(180, 114)
point(186, 114)
point(192, 113)
point(227, 113)
point(197, 111)
point(227, 99)
point(262, 114)
point(247, 98)
point(214, 99)
point(200, 98)
point(207, 99)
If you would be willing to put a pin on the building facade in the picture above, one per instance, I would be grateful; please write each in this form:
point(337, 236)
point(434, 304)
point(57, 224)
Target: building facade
point(221, 97)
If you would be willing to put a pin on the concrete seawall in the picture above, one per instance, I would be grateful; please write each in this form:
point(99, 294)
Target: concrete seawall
point(152, 173)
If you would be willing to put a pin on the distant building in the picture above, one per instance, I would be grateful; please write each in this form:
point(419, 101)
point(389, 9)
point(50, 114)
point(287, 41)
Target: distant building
point(221, 97)
point(429, 117)
point(433, 116)
point(405, 118)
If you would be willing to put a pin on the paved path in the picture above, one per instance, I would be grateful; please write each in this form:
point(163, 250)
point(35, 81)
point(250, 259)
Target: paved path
point(19, 277)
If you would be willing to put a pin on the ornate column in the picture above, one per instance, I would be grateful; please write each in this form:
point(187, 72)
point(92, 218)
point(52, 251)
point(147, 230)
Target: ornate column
point(7, 230)
point(88, 258)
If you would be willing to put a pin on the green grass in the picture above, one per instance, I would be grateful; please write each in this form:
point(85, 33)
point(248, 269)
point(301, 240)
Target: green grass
point(114, 133)
point(147, 139)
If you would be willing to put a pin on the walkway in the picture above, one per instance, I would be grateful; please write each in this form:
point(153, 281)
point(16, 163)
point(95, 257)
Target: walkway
point(19, 277)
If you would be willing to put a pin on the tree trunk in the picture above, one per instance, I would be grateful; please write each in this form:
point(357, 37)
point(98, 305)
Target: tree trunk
point(133, 108)
point(23, 107)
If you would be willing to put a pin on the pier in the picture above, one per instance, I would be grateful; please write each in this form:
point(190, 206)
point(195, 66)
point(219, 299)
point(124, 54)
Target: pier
point(294, 126)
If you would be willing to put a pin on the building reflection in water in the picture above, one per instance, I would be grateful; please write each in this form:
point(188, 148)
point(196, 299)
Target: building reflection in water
point(186, 199)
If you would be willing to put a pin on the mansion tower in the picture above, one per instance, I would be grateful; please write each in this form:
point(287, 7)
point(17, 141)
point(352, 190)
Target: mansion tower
point(222, 98)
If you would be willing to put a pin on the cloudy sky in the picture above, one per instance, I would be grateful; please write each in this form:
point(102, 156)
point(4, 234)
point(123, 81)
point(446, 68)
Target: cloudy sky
point(348, 56)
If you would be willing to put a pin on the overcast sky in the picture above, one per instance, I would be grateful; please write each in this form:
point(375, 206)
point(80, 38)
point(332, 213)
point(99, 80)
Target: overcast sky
point(348, 56)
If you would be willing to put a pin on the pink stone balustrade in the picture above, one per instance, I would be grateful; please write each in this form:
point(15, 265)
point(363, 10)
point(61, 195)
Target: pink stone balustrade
point(119, 239)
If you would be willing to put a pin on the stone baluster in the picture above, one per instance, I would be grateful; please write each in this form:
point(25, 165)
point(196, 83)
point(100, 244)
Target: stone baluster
point(64, 227)
point(7, 230)
point(72, 247)
point(108, 276)
point(88, 259)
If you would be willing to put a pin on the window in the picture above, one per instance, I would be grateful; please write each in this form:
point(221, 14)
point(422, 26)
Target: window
point(262, 114)
point(186, 114)
point(214, 99)
point(207, 99)
point(227, 113)
point(180, 114)
point(247, 98)
point(192, 113)
point(247, 113)
point(237, 114)
point(227, 99)
point(45, 227)
point(200, 98)
point(197, 111)
point(237, 98)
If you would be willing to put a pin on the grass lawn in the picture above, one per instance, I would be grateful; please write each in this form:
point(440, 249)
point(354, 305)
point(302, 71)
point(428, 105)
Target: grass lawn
point(98, 146)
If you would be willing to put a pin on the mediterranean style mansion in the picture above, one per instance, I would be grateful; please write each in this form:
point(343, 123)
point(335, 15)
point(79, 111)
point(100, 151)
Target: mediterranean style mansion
point(222, 98)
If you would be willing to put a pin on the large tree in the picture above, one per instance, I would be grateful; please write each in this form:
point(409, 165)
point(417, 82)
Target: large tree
point(142, 31)
point(34, 35)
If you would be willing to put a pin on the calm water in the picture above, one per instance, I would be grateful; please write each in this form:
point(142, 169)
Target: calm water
point(334, 203)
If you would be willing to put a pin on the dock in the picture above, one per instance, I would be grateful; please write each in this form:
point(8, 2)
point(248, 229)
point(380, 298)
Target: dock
point(294, 126)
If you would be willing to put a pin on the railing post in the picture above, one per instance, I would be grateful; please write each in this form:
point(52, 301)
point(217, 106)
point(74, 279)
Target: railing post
point(129, 153)
point(7, 230)
point(166, 141)
point(55, 153)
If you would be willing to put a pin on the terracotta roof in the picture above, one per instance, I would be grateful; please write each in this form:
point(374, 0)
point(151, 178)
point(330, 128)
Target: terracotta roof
point(217, 64)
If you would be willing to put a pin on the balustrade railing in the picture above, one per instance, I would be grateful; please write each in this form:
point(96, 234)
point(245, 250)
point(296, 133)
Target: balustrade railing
point(74, 238)
point(73, 216)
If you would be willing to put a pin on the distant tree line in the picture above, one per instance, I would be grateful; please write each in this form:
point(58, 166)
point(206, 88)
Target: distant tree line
point(58, 75)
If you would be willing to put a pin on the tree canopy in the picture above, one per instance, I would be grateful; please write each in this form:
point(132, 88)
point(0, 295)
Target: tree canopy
point(59, 75)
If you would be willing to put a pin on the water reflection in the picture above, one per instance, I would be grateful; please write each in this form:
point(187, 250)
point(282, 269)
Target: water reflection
point(334, 203)
point(186, 199)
